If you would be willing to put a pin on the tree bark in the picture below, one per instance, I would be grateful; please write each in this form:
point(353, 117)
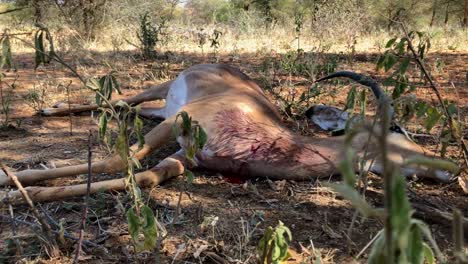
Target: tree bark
point(434, 11)
point(447, 8)
point(465, 15)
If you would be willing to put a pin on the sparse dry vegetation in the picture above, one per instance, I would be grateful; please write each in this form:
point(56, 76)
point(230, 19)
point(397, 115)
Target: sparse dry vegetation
point(91, 51)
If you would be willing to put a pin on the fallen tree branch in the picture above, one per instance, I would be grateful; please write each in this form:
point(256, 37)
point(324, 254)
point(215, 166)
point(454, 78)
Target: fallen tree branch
point(13, 10)
point(429, 213)
point(435, 215)
point(15, 34)
point(52, 246)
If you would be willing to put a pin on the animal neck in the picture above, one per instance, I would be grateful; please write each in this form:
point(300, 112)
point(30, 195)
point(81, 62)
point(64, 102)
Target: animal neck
point(270, 150)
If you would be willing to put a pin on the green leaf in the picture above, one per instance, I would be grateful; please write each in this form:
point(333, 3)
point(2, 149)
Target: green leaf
point(363, 101)
point(102, 125)
point(400, 215)
point(138, 126)
point(415, 246)
point(190, 152)
point(347, 169)
point(404, 65)
point(6, 57)
point(147, 226)
point(274, 245)
point(421, 108)
point(133, 224)
point(202, 137)
point(427, 233)
point(380, 62)
point(428, 254)
point(186, 123)
point(51, 47)
point(400, 47)
point(150, 230)
point(356, 199)
point(263, 244)
point(93, 84)
point(136, 162)
point(457, 129)
point(189, 176)
point(391, 60)
point(452, 109)
point(390, 43)
point(433, 164)
point(39, 48)
point(115, 84)
point(433, 116)
point(122, 104)
point(422, 51)
point(351, 99)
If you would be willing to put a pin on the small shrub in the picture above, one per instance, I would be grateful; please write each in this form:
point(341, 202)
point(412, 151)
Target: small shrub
point(273, 248)
point(36, 98)
point(150, 35)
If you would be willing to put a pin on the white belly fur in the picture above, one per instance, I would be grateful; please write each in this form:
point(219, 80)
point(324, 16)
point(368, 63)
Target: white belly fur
point(177, 96)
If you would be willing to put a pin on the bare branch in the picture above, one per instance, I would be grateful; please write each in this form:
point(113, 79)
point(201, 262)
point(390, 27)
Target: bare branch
point(13, 10)
point(434, 87)
point(86, 200)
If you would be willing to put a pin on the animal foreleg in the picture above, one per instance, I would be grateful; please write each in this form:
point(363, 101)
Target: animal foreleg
point(154, 139)
point(166, 169)
point(154, 93)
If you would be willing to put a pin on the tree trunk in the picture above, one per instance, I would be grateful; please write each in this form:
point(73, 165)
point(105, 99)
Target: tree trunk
point(434, 11)
point(447, 7)
point(465, 15)
point(37, 11)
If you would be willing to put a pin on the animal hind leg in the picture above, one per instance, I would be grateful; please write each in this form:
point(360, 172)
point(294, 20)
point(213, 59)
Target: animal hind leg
point(155, 138)
point(156, 92)
point(169, 167)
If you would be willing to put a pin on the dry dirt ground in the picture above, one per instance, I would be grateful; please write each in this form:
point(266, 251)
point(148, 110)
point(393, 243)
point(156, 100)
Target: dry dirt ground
point(240, 210)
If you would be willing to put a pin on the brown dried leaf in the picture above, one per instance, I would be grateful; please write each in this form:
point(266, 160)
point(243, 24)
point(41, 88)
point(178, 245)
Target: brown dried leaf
point(463, 182)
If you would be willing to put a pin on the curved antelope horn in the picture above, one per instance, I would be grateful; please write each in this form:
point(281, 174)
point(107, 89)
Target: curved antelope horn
point(366, 81)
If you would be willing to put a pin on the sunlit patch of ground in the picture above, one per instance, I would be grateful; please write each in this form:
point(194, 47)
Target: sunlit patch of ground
point(318, 218)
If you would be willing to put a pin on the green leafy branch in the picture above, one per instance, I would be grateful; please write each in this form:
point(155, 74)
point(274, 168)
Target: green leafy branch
point(273, 247)
point(402, 238)
point(399, 54)
point(140, 217)
point(192, 138)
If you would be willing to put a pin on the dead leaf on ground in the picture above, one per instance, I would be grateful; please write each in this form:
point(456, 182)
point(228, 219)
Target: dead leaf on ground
point(200, 249)
point(277, 185)
point(463, 182)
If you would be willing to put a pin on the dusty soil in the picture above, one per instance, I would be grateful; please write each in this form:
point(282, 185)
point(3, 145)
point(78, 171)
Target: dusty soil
point(318, 218)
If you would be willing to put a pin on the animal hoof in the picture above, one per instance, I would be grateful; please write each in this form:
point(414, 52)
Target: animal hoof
point(47, 111)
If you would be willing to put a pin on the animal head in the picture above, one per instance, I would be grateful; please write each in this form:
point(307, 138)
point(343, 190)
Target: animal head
point(402, 151)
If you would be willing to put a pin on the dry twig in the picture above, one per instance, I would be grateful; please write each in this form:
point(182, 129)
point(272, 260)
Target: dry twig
point(52, 246)
point(86, 200)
